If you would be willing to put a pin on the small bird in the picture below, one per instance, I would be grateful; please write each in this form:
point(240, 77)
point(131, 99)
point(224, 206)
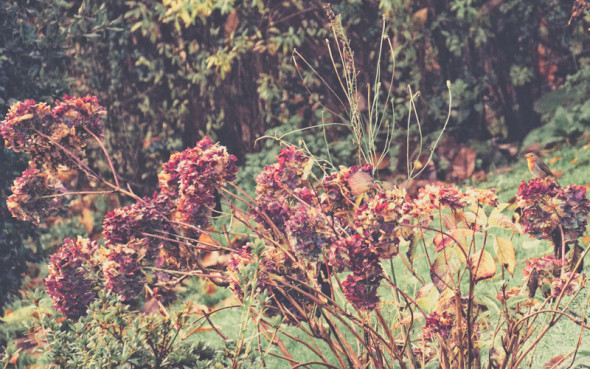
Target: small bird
point(537, 167)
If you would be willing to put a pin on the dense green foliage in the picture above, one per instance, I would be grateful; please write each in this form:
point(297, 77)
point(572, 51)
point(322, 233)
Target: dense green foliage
point(31, 58)
point(114, 336)
point(175, 70)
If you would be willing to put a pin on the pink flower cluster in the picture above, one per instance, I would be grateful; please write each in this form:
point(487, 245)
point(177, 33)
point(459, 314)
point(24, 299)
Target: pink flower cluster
point(561, 286)
point(380, 218)
point(127, 223)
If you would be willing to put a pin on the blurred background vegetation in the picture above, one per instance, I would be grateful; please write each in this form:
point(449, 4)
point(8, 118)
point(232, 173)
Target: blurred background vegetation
point(172, 71)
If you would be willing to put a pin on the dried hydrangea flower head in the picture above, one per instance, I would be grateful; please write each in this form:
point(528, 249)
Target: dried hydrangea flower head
point(35, 196)
point(53, 137)
point(73, 277)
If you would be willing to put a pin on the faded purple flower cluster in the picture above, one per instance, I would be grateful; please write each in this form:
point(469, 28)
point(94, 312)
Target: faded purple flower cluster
point(125, 224)
point(275, 188)
point(437, 324)
point(348, 220)
point(318, 221)
point(547, 208)
point(360, 287)
point(309, 231)
point(142, 235)
point(73, 277)
point(52, 137)
point(123, 268)
point(35, 196)
point(191, 179)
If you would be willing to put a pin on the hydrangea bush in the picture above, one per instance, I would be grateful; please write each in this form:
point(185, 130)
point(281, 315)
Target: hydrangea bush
point(318, 251)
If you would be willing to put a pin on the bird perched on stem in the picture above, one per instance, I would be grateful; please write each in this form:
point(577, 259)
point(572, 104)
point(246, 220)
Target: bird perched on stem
point(538, 167)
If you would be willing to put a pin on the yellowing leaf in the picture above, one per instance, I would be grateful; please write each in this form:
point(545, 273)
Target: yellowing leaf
point(505, 252)
point(445, 268)
point(462, 235)
point(417, 164)
point(441, 241)
point(484, 268)
point(574, 160)
point(502, 221)
point(427, 297)
point(449, 221)
point(446, 301)
point(307, 170)
point(479, 219)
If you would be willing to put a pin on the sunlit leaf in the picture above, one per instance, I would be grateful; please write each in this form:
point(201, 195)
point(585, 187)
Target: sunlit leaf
point(449, 221)
point(445, 268)
point(307, 170)
point(502, 221)
point(483, 265)
point(446, 301)
point(417, 164)
point(441, 241)
point(500, 208)
point(462, 236)
point(505, 252)
point(427, 296)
